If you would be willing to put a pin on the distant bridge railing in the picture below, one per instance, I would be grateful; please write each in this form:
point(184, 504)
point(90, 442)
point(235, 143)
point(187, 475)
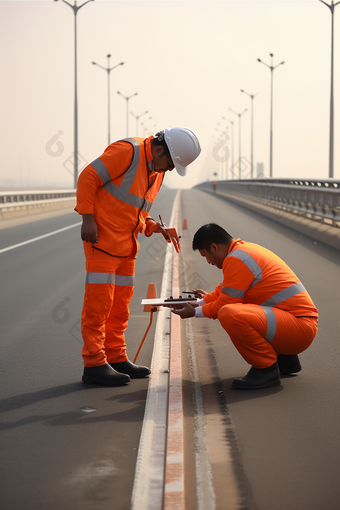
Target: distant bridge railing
point(317, 199)
point(21, 200)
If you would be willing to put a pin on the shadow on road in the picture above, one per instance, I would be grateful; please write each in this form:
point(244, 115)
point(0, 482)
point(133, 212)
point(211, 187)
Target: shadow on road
point(100, 397)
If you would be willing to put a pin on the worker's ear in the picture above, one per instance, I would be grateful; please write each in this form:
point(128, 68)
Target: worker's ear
point(213, 248)
point(158, 150)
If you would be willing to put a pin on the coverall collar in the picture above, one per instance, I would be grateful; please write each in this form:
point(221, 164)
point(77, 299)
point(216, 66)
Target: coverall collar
point(148, 149)
point(233, 243)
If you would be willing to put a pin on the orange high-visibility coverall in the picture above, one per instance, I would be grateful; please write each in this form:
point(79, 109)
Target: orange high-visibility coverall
point(118, 189)
point(262, 305)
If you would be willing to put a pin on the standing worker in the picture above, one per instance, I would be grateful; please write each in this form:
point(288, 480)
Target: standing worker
point(114, 196)
point(261, 304)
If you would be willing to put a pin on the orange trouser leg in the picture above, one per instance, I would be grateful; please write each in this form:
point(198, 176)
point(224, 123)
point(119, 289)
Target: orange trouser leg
point(97, 306)
point(105, 314)
point(115, 347)
point(261, 333)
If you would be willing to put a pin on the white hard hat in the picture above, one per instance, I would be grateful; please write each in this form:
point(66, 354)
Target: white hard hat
point(183, 146)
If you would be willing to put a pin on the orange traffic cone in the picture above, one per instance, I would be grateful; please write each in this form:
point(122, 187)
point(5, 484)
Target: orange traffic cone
point(152, 293)
point(185, 225)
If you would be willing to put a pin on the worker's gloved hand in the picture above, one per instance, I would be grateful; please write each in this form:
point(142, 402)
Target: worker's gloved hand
point(153, 227)
point(89, 229)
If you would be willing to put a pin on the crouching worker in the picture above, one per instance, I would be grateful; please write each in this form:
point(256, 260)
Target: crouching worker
point(261, 304)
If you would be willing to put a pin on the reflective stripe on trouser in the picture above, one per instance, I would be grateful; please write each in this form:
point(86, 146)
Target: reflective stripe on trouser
point(105, 315)
point(260, 333)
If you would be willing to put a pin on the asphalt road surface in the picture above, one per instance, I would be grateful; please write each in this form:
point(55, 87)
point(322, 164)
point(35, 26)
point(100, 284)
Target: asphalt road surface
point(66, 445)
point(283, 442)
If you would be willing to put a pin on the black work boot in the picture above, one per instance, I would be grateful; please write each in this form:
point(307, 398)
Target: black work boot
point(134, 371)
point(288, 363)
point(258, 378)
point(104, 374)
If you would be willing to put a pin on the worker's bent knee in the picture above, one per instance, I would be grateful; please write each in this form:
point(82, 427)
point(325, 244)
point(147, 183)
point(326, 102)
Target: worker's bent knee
point(234, 317)
point(224, 313)
point(226, 316)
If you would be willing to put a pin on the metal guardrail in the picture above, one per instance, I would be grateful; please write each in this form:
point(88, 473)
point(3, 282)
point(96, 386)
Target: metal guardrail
point(18, 203)
point(14, 198)
point(317, 199)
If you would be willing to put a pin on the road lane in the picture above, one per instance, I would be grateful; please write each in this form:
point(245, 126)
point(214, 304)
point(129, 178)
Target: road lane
point(19, 229)
point(284, 441)
point(64, 444)
point(35, 239)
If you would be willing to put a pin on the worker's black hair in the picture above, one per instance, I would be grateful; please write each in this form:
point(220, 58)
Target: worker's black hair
point(208, 234)
point(159, 141)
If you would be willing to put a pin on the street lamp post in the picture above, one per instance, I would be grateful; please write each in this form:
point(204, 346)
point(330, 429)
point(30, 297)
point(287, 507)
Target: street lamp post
point(239, 139)
point(137, 117)
point(331, 116)
point(127, 98)
point(145, 128)
point(271, 67)
point(108, 69)
point(75, 11)
point(226, 161)
point(224, 132)
point(216, 141)
point(232, 141)
point(252, 133)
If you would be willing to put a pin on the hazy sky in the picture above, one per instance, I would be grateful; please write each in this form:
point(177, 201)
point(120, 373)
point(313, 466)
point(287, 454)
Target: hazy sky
point(187, 61)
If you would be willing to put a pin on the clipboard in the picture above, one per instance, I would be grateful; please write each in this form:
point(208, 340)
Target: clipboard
point(168, 301)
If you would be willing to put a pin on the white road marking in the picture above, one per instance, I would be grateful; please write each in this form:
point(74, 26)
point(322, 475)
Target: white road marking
point(40, 237)
point(148, 487)
point(205, 492)
point(174, 496)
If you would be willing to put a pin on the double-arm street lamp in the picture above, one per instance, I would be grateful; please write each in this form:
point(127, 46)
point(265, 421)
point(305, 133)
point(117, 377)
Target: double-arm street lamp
point(108, 69)
point(224, 132)
point(127, 98)
point(232, 141)
point(271, 67)
point(239, 139)
point(252, 133)
point(145, 127)
point(137, 117)
point(75, 11)
point(331, 116)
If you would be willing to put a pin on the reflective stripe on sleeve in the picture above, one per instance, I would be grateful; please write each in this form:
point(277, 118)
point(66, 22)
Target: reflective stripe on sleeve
point(251, 264)
point(100, 278)
point(235, 293)
point(284, 294)
point(271, 323)
point(101, 170)
point(125, 281)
